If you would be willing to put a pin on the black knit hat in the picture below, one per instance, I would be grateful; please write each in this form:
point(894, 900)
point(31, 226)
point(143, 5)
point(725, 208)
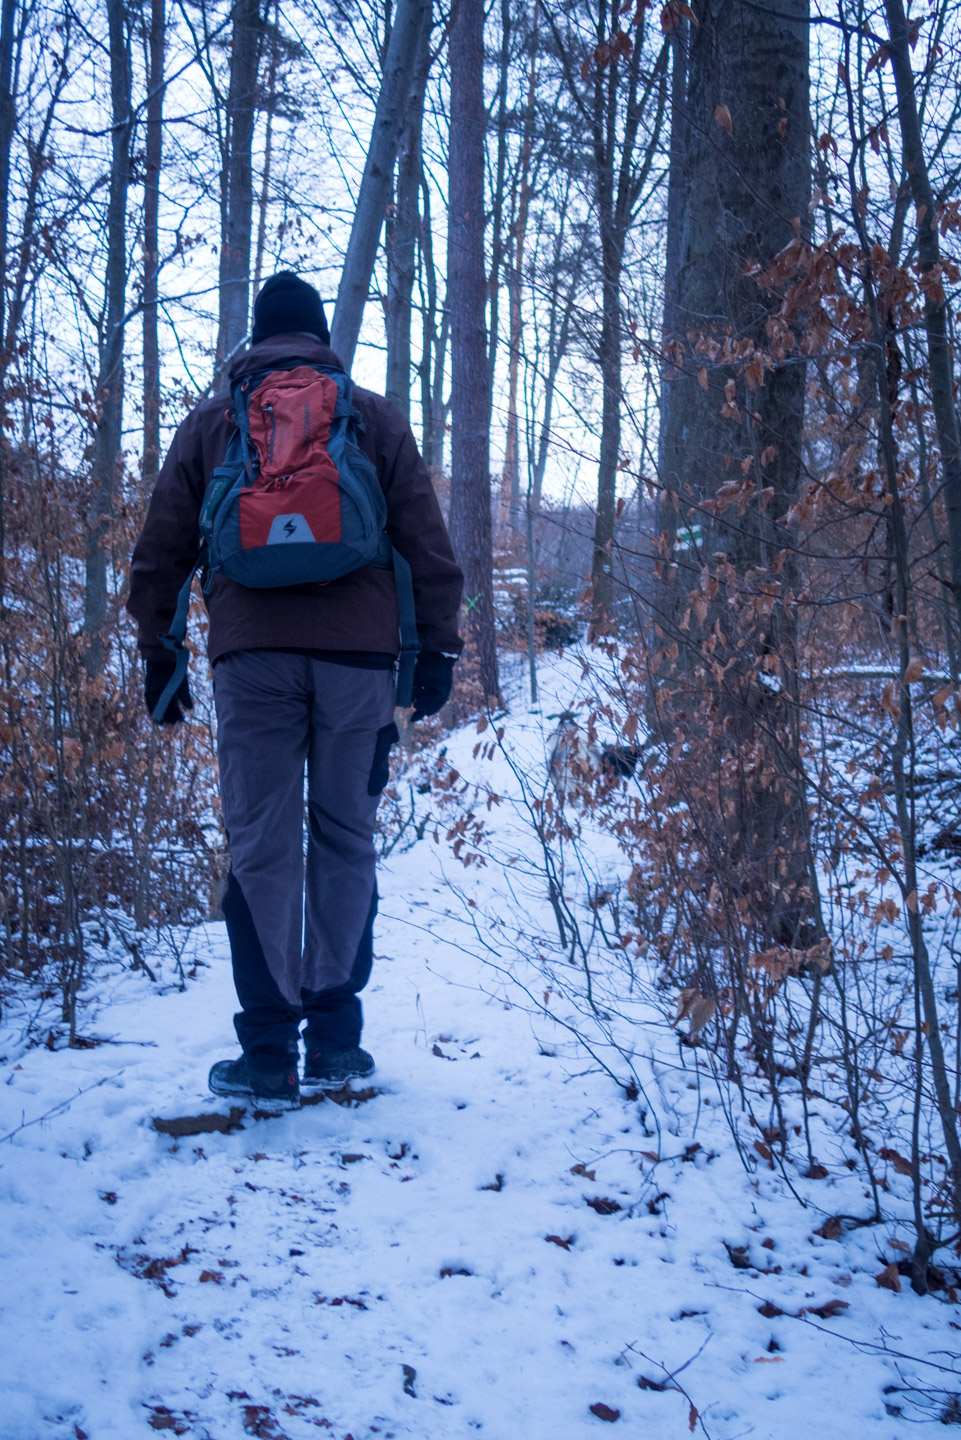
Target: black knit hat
point(287, 303)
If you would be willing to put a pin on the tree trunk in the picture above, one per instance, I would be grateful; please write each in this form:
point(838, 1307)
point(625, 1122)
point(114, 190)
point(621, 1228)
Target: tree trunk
point(402, 52)
point(268, 153)
point(470, 504)
point(7, 123)
point(675, 203)
point(236, 189)
point(151, 245)
point(940, 354)
point(107, 455)
point(402, 231)
point(615, 194)
point(732, 449)
point(498, 187)
point(510, 506)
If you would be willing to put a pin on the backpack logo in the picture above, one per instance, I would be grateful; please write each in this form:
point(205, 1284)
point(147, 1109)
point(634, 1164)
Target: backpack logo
point(287, 529)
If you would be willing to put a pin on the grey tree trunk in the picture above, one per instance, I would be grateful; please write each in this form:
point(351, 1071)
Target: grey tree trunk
point(470, 501)
point(151, 245)
point(510, 506)
point(675, 202)
point(7, 123)
point(941, 360)
point(107, 454)
point(236, 188)
point(498, 187)
point(746, 179)
point(268, 152)
point(615, 120)
point(403, 228)
point(402, 52)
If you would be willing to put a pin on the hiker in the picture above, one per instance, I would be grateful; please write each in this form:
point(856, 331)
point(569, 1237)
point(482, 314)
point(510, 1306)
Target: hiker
point(304, 674)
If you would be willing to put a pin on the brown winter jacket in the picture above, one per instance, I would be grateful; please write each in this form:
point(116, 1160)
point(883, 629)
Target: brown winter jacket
point(356, 612)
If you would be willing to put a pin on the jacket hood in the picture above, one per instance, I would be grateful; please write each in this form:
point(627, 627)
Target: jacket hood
point(277, 349)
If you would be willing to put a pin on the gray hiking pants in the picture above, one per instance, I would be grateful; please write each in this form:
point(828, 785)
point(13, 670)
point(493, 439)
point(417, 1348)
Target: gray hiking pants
point(278, 715)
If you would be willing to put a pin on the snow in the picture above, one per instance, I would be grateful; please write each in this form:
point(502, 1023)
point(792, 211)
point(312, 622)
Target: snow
point(425, 1262)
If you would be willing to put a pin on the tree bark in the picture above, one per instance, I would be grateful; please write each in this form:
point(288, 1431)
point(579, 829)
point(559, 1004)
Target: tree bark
point(470, 504)
point(151, 245)
point(402, 231)
point(510, 501)
point(268, 153)
point(940, 350)
point(107, 454)
point(732, 445)
point(402, 51)
point(615, 121)
point(8, 120)
point(675, 204)
point(236, 189)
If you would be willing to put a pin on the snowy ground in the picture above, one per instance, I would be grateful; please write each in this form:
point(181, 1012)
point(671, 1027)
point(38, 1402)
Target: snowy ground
point(495, 1242)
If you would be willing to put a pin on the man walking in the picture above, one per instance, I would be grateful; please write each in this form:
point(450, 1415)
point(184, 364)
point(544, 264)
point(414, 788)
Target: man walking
point(304, 680)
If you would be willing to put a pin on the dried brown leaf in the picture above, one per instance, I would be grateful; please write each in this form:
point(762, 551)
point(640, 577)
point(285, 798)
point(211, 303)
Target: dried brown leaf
point(723, 117)
point(889, 1279)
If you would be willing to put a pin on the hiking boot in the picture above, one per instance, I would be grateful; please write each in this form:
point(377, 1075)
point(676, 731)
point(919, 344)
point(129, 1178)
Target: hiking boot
point(331, 1069)
point(268, 1089)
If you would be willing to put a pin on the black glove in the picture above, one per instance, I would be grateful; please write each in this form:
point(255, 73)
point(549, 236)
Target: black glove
point(433, 677)
point(157, 674)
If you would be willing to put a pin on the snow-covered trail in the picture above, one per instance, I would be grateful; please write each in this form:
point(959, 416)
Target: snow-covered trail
point(278, 1280)
point(496, 1242)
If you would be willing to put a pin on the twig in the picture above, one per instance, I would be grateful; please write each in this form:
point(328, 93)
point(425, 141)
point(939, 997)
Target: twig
point(63, 1105)
point(870, 1346)
point(672, 1378)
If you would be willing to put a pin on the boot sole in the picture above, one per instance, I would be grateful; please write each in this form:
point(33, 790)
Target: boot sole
point(261, 1102)
point(318, 1087)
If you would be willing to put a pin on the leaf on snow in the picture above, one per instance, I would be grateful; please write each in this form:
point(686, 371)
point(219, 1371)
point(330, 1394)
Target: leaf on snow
point(889, 1279)
point(902, 1166)
point(604, 1206)
point(604, 1412)
point(828, 1311)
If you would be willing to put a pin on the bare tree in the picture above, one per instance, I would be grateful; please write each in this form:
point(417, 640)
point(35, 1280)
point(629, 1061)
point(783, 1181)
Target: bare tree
point(7, 121)
point(153, 162)
point(403, 52)
point(732, 439)
point(403, 226)
point(107, 455)
point(941, 359)
point(619, 94)
point(470, 503)
point(236, 191)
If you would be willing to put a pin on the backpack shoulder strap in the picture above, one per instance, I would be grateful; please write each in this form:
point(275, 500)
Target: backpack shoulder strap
point(173, 640)
point(409, 639)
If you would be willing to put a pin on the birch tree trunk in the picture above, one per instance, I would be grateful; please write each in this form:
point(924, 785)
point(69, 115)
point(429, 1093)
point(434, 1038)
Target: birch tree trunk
point(470, 502)
point(107, 455)
point(403, 50)
point(236, 188)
